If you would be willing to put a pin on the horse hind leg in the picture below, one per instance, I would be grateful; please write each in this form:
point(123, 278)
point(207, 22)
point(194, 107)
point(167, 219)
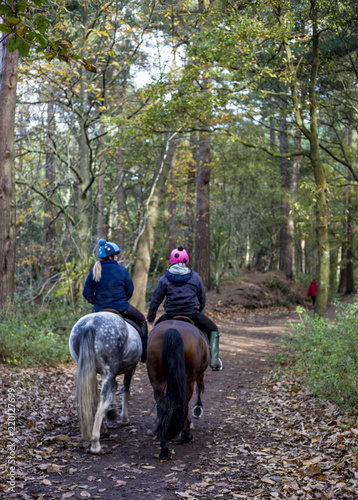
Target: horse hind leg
point(112, 411)
point(186, 436)
point(109, 386)
point(125, 397)
point(198, 411)
point(164, 451)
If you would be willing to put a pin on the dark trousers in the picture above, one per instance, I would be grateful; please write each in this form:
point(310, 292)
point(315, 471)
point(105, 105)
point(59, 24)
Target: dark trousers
point(313, 297)
point(204, 323)
point(133, 314)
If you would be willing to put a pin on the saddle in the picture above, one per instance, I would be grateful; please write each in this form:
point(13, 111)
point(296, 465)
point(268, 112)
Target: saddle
point(129, 321)
point(188, 320)
point(112, 311)
point(184, 318)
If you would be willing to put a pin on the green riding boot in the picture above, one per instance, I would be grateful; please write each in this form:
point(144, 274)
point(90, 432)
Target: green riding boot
point(215, 362)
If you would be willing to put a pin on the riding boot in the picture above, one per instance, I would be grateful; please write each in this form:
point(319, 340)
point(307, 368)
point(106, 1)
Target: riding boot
point(215, 362)
point(144, 337)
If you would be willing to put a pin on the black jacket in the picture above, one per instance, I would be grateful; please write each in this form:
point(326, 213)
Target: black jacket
point(185, 294)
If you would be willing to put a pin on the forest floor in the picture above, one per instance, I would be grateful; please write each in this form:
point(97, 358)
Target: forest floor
point(262, 436)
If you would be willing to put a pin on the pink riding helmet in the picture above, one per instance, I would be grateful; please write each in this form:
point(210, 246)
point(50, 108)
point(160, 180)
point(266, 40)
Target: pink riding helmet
point(179, 255)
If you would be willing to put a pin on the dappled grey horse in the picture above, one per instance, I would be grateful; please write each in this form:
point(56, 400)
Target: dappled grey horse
point(102, 343)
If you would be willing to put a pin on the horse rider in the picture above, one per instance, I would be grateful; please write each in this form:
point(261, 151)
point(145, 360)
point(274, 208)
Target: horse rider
point(109, 287)
point(185, 295)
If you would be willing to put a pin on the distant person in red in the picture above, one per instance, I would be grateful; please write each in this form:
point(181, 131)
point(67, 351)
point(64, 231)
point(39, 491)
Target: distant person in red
point(312, 291)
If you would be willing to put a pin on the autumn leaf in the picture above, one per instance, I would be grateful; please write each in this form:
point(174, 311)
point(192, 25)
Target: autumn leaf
point(62, 437)
point(313, 470)
point(64, 43)
point(89, 66)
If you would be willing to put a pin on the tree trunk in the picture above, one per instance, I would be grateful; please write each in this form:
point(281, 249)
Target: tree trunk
point(202, 241)
point(145, 241)
point(84, 176)
point(342, 285)
point(303, 256)
point(100, 202)
point(350, 288)
point(312, 136)
point(190, 198)
point(120, 199)
point(248, 253)
point(285, 261)
point(320, 179)
point(291, 266)
point(202, 251)
point(333, 268)
point(49, 233)
point(8, 84)
point(173, 243)
point(272, 264)
point(83, 198)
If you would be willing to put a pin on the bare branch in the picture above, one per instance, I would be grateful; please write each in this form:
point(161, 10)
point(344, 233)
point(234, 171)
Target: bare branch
point(48, 199)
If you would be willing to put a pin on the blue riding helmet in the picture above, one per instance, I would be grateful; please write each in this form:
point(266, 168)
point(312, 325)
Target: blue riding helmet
point(107, 248)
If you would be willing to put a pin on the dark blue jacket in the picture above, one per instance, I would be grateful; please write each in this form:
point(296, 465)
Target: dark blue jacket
point(113, 290)
point(185, 294)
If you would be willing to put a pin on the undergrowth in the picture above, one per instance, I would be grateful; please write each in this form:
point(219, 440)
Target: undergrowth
point(29, 337)
point(284, 294)
point(324, 354)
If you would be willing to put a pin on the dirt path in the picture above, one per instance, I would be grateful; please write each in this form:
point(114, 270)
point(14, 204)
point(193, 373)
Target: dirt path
point(250, 444)
point(51, 466)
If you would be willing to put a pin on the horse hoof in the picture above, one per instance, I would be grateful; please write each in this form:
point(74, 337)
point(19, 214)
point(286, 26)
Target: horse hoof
point(111, 414)
point(125, 423)
point(165, 454)
point(187, 437)
point(95, 448)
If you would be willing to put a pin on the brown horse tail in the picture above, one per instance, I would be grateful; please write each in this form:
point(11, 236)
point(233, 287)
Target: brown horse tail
point(171, 409)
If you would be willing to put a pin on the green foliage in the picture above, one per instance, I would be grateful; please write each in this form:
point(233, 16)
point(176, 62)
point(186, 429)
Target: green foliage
point(27, 24)
point(324, 354)
point(305, 279)
point(29, 337)
point(233, 78)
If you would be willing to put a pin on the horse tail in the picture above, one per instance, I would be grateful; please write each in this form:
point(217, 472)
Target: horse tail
point(87, 385)
point(172, 408)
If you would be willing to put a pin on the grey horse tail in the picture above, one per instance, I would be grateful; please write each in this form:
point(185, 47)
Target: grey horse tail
point(87, 386)
point(171, 409)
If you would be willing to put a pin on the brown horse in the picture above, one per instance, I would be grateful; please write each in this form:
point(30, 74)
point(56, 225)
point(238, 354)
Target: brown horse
point(178, 355)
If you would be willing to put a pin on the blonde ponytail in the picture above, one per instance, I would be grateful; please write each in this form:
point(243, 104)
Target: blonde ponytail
point(97, 270)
